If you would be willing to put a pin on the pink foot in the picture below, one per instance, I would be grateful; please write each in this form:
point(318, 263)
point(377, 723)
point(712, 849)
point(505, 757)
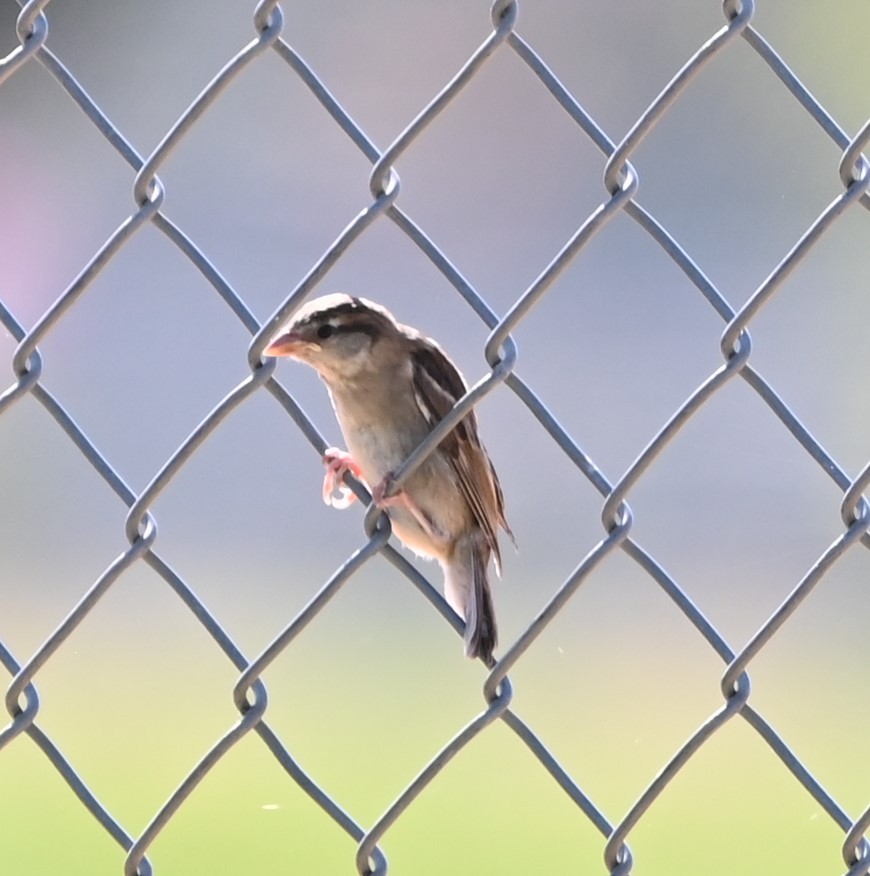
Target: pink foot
point(380, 498)
point(401, 499)
point(338, 463)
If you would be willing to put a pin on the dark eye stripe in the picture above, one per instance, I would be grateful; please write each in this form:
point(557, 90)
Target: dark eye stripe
point(362, 326)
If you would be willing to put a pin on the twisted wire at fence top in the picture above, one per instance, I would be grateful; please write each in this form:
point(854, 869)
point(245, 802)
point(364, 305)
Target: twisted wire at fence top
point(621, 184)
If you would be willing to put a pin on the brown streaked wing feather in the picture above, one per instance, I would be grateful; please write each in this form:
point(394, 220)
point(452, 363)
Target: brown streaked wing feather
point(437, 381)
point(437, 386)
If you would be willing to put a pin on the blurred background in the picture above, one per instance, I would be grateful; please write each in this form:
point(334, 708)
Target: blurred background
point(734, 509)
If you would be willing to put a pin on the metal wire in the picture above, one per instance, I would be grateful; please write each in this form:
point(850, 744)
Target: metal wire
point(622, 187)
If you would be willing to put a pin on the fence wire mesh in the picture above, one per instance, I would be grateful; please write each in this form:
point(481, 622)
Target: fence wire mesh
point(623, 192)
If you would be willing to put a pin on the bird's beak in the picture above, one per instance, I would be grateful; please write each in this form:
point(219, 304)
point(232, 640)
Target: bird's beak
point(286, 344)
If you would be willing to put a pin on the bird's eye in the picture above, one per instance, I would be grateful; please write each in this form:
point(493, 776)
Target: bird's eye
point(325, 331)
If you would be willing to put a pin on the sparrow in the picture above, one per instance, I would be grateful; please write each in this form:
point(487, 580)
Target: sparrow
point(389, 385)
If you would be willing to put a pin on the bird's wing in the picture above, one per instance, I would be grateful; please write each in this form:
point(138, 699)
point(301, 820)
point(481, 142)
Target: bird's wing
point(437, 387)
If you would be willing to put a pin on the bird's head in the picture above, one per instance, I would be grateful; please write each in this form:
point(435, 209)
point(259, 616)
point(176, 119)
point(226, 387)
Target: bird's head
point(339, 336)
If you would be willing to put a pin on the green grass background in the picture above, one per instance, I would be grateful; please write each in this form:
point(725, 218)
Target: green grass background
point(366, 719)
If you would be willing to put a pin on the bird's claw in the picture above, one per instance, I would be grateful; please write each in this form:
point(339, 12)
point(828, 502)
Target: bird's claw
point(380, 493)
point(384, 498)
point(335, 492)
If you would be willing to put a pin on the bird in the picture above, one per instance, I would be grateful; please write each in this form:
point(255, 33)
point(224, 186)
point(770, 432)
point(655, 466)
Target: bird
point(389, 386)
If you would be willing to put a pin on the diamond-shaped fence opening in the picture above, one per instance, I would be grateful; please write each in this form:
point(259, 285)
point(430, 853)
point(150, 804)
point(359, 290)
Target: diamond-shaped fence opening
point(670, 381)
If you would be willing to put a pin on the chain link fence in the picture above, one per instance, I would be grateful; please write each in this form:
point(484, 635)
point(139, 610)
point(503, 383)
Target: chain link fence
point(622, 197)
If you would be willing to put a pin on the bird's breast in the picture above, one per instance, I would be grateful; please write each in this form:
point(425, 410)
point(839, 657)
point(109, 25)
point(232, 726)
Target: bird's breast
point(380, 446)
point(377, 451)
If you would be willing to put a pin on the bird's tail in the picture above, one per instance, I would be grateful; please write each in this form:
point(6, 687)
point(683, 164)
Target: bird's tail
point(467, 589)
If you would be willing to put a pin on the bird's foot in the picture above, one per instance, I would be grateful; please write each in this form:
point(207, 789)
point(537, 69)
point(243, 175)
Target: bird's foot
point(384, 498)
point(338, 463)
point(380, 497)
